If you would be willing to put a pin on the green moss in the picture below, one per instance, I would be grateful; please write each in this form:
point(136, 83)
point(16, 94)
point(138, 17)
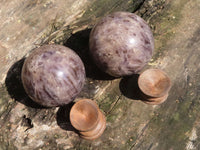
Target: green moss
point(106, 102)
point(99, 8)
point(165, 24)
point(111, 118)
point(176, 116)
point(171, 129)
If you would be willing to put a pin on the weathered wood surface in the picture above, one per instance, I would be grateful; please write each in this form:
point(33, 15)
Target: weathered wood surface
point(131, 124)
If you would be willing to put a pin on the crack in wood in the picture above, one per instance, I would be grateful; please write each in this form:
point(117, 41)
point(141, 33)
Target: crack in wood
point(113, 105)
point(140, 135)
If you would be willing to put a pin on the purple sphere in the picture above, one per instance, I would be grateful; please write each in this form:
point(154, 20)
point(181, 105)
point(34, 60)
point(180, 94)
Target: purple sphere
point(121, 44)
point(53, 75)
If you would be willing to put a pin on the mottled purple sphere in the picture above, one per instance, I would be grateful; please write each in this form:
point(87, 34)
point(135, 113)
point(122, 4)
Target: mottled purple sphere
point(53, 75)
point(121, 44)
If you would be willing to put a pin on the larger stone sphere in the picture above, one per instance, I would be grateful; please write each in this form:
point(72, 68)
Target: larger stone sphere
point(121, 44)
point(53, 75)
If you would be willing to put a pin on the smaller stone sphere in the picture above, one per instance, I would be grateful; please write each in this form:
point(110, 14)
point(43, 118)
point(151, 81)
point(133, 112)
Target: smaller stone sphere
point(121, 44)
point(53, 75)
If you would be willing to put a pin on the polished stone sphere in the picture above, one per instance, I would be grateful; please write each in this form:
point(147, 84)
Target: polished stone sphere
point(121, 44)
point(53, 75)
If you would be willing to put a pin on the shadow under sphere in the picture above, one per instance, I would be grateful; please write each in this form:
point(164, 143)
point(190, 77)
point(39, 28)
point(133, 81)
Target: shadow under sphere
point(129, 87)
point(63, 117)
point(79, 42)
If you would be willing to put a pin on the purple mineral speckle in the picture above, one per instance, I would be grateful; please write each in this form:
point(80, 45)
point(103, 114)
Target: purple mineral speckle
point(121, 44)
point(53, 75)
